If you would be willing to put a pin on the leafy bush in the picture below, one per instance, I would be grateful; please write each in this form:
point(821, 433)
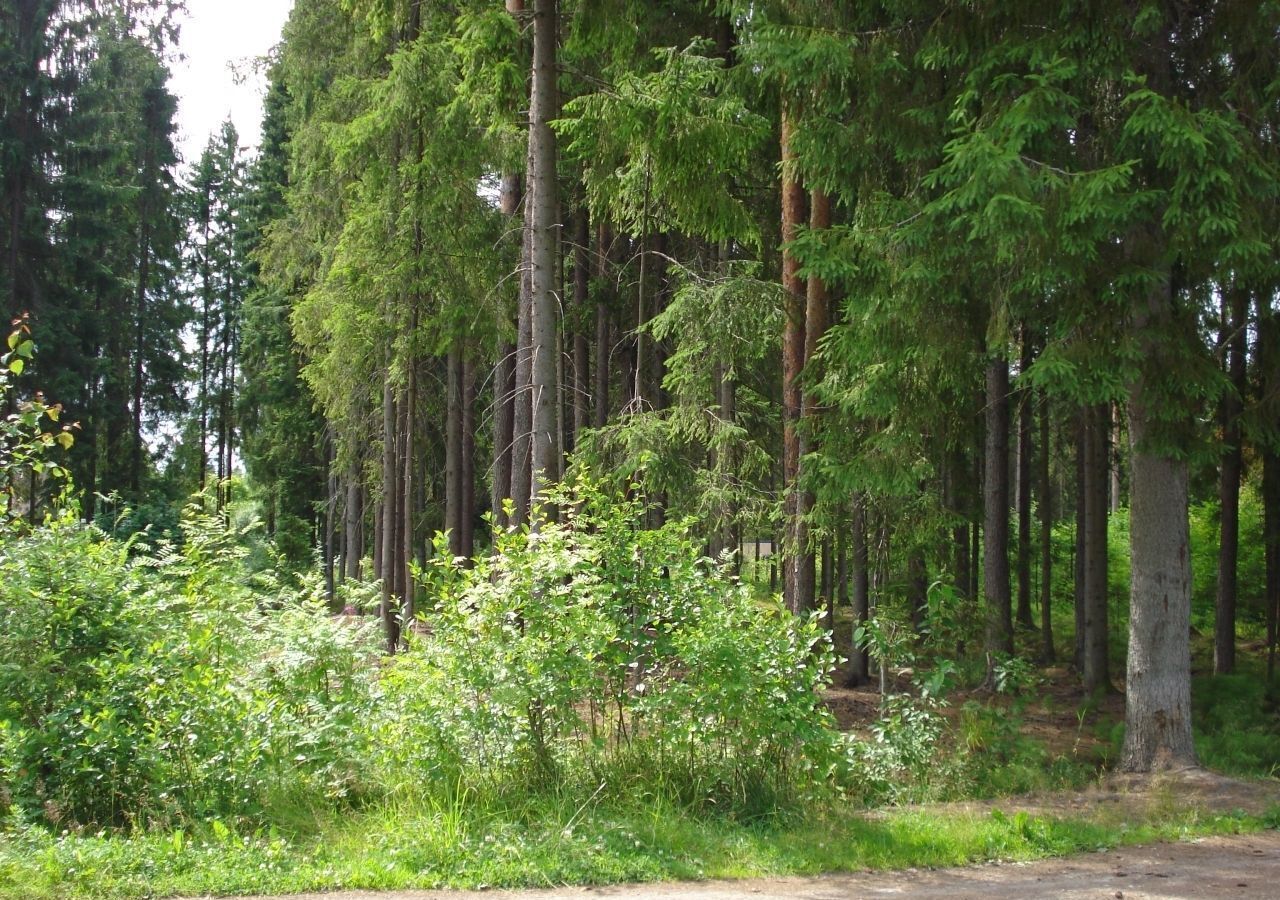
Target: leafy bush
point(596, 647)
point(140, 686)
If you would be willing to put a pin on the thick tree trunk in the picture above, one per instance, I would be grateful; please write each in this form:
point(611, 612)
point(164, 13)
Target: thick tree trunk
point(1158, 681)
point(795, 557)
point(1046, 537)
point(1235, 313)
point(995, 502)
point(542, 246)
point(1095, 670)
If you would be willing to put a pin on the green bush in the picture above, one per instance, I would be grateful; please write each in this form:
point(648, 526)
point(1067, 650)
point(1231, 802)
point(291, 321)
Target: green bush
point(142, 686)
point(595, 648)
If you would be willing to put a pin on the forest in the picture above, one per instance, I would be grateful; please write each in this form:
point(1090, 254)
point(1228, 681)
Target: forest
point(696, 421)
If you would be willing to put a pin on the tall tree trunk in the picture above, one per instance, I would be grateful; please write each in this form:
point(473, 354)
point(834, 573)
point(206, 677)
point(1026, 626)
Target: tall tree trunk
point(1268, 363)
point(521, 450)
point(917, 590)
point(1025, 410)
point(1158, 681)
point(582, 310)
point(389, 609)
point(407, 503)
point(1046, 536)
point(138, 445)
point(505, 394)
point(859, 662)
point(957, 504)
point(1235, 314)
point(352, 523)
point(1117, 486)
point(329, 542)
point(995, 502)
point(1096, 473)
point(453, 449)
point(795, 557)
point(504, 388)
point(467, 515)
point(542, 245)
point(1078, 592)
point(602, 328)
point(814, 326)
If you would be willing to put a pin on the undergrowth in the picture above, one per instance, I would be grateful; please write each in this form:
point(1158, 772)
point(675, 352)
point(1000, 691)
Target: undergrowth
point(422, 842)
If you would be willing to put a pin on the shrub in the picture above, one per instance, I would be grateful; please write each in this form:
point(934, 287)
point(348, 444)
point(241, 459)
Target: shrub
point(598, 647)
point(141, 686)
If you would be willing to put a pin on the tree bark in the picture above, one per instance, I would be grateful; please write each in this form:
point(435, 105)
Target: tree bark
point(1077, 583)
point(1117, 487)
point(389, 607)
point(467, 514)
point(814, 326)
point(795, 556)
point(582, 309)
point(1046, 537)
point(1096, 423)
point(1235, 313)
point(1025, 410)
point(352, 523)
point(1268, 363)
point(407, 504)
point(603, 350)
point(859, 662)
point(1158, 680)
point(521, 449)
point(542, 247)
point(453, 448)
point(995, 493)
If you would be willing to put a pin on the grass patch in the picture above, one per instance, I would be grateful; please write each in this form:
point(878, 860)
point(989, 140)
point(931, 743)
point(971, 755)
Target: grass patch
point(547, 842)
point(1237, 730)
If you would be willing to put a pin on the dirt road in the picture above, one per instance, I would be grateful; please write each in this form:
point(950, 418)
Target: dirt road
point(1224, 867)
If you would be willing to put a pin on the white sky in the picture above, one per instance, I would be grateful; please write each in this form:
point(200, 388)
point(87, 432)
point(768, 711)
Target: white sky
point(216, 35)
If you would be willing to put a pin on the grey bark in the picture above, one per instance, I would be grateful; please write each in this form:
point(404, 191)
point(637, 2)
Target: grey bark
point(542, 247)
point(1158, 679)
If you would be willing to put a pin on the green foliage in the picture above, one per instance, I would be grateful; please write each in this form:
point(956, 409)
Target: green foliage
point(29, 432)
point(593, 644)
point(1237, 725)
point(144, 686)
